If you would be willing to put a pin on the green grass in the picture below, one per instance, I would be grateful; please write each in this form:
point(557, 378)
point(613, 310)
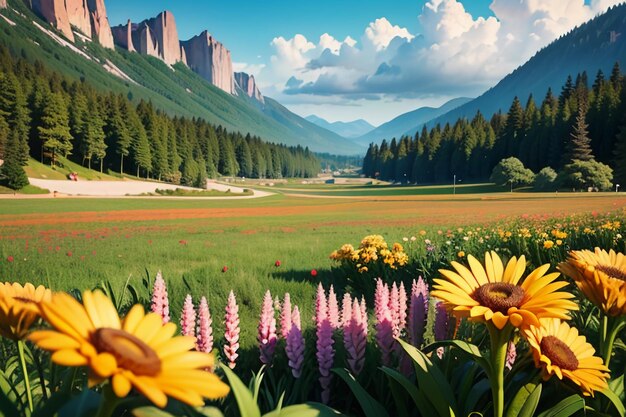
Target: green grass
point(387, 190)
point(29, 189)
point(181, 192)
point(36, 169)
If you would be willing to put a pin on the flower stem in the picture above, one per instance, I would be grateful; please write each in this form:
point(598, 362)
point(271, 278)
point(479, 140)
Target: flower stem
point(499, 345)
point(22, 356)
point(109, 402)
point(610, 328)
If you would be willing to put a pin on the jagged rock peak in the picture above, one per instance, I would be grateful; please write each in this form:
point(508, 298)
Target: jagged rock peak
point(157, 37)
point(100, 27)
point(88, 16)
point(247, 83)
point(211, 60)
point(123, 36)
point(55, 13)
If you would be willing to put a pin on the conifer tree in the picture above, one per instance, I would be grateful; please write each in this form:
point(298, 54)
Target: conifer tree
point(54, 131)
point(578, 147)
point(14, 106)
point(11, 172)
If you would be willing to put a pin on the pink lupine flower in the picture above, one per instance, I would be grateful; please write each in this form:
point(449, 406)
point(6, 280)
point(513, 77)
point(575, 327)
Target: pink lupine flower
point(285, 316)
point(333, 308)
point(231, 334)
point(384, 322)
point(441, 326)
point(321, 303)
point(346, 310)
point(295, 344)
point(511, 355)
point(188, 318)
point(267, 330)
point(363, 308)
point(418, 313)
point(324, 344)
point(355, 338)
point(394, 307)
point(160, 303)
point(402, 302)
point(204, 342)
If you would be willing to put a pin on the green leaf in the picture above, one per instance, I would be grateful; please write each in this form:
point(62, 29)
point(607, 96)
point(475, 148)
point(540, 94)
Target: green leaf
point(432, 381)
point(209, 412)
point(617, 386)
point(566, 407)
point(619, 405)
point(531, 394)
point(150, 412)
point(7, 407)
point(305, 410)
point(476, 393)
point(371, 407)
point(52, 405)
point(419, 399)
point(245, 401)
point(465, 347)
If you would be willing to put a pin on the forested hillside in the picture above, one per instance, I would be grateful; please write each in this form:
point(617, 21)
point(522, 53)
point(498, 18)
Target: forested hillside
point(540, 134)
point(44, 114)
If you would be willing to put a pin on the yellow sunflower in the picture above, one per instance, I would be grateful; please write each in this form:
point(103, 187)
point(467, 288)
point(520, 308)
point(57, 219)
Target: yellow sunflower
point(493, 293)
point(138, 351)
point(559, 350)
point(601, 276)
point(19, 308)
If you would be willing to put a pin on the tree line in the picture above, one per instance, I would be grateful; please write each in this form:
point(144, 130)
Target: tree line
point(584, 122)
point(45, 115)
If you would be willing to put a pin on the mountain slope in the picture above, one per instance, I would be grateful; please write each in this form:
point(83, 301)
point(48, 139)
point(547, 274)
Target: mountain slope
point(408, 123)
point(595, 45)
point(352, 129)
point(174, 89)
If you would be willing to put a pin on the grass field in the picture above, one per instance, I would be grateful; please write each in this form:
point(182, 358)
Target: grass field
point(79, 243)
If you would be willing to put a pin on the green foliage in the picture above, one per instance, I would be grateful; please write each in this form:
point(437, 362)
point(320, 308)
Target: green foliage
point(585, 174)
point(54, 130)
point(511, 171)
point(545, 180)
point(12, 173)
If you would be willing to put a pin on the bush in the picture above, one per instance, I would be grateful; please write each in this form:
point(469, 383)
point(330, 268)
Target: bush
point(545, 180)
point(585, 174)
point(511, 171)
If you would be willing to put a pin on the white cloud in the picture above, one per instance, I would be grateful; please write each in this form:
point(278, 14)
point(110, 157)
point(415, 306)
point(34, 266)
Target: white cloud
point(454, 54)
point(381, 32)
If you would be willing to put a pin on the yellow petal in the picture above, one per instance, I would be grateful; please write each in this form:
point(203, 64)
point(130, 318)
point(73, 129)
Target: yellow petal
point(68, 357)
point(121, 385)
point(104, 364)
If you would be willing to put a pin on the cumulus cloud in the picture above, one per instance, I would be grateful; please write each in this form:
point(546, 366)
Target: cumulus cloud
point(452, 53)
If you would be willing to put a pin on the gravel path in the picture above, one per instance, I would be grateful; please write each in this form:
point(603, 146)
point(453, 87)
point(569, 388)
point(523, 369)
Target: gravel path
point(127, 188)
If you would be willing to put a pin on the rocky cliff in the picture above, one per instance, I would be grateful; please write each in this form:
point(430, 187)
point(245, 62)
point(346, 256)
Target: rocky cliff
point(157, 37)
point(123, 36)
point(55, 13)
point(211, 60)
point(100, 28)
point(87, 16)
point(248, 85)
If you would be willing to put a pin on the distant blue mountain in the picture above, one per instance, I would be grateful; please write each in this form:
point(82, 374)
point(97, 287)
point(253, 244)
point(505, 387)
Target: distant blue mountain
point(408, 123)
point(595, 45)
point(352, 129)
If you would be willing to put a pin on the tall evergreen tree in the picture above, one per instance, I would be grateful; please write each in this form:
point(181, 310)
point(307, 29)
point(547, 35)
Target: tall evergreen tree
point(54, 131)
point(11, 172)
point(579, 148)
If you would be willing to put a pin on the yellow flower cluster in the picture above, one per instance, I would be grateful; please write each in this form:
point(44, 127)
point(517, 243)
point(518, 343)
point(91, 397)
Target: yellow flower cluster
point(373, 248)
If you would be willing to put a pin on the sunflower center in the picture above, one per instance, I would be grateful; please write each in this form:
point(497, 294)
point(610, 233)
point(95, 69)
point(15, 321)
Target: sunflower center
point(130, 352)
point(612, 272)
point(559, 353)
point(499, 296)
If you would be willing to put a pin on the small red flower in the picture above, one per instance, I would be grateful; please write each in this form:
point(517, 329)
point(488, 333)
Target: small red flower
point(150, 242)
point(277, 264)
point(10, 258)
point(224, 268)
point(93, 252)
point(69, 253)
point(82, 257)
point(58, 248)
point(313, 272)
point(182, 242)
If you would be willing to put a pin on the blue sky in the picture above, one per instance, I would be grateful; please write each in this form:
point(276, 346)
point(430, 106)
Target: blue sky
point(371, 59)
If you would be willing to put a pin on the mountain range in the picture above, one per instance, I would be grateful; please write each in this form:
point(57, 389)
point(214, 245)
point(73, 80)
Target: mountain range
point(148, 61)
point(408, 123)
point(351, 129)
